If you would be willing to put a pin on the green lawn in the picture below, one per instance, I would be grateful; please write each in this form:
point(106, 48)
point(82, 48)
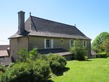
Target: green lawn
point(94, 70)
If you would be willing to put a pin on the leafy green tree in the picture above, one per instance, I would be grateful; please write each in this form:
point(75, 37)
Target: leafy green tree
point(105, 46)
point(24, 55)
point(96, 45)
point(33, 54)
point(78, 52)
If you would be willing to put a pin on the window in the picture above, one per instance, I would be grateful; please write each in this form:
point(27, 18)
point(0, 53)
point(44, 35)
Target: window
point(85, 43)
point(48, 43)
point(61, 41)
point(71, 43)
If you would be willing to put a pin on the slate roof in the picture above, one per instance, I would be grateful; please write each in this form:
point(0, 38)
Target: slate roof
point(3, 53)
point(4, 50)
point(4, 47)
point(36, 26)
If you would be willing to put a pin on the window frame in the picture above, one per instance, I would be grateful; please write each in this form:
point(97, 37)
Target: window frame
point(46, 46)
point(84, 43)
point(70, 43)
point(61, 41)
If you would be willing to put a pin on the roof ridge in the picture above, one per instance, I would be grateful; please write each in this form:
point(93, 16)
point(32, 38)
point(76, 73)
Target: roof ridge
point(54, 21)
point(31, 20)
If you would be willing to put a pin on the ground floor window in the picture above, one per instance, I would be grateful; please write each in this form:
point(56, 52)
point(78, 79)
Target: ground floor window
point(48, 43)
point(85, 43)
point(61, 41)
point(71, 43)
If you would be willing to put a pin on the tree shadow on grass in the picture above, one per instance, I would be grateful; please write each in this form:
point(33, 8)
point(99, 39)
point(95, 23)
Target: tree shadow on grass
point(48, 81)
point(87, 60)
point(61, 72)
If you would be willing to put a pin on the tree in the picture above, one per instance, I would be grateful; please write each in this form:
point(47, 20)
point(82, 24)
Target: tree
point(96, 45)
point(105, 46)
point(78, 51)
point(24, 55)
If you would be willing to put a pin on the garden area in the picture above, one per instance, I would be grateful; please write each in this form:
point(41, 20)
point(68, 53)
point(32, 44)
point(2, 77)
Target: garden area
point(33, 67)
point(93, 70)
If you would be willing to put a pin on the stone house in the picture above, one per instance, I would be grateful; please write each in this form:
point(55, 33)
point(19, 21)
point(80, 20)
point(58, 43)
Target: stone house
point(46, 35)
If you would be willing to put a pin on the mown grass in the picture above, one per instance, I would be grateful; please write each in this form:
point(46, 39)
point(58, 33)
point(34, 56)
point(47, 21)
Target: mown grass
point(94, 70)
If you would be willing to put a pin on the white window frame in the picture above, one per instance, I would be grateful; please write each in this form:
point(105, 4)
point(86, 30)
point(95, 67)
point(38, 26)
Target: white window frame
point(51, 43)
point(84, 43)
point(70, 45)
point(45, 43)
point(61, 41)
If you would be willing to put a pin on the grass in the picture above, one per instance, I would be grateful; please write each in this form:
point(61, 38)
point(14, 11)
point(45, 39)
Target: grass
point(94, 70)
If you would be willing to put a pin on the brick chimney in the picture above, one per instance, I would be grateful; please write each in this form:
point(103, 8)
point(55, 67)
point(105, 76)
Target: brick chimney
point(21, 24)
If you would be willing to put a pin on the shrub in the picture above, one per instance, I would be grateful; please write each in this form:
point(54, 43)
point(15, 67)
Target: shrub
point(101, 55)
point(2, 68)
point(35, 71)
point(57, 62)
point(41, 70)
point(18, 73)
point(78, 52)
point(24, 55)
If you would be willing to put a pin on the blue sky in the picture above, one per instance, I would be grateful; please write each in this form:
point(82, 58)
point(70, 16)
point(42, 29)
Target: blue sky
point(90, 16)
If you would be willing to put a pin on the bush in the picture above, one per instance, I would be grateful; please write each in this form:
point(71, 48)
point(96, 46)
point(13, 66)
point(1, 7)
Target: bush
point(2, 68)
point(57, 62)
point(101, 55)
point(78, 53)
point(35, 71)
point(24, 55)
point(41, 70)
point(17, 73)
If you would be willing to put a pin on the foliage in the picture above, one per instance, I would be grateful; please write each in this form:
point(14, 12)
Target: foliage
point(101, 55)
point(78, 52)
point(96, 45)
point(25, 55)
point(57, 63)
point(33, 54)
point(30, 69)
point(94, 70)
point(105, 46)
point(2, 68)
point(41, 70)
point(35, 71)
point(22, 55)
